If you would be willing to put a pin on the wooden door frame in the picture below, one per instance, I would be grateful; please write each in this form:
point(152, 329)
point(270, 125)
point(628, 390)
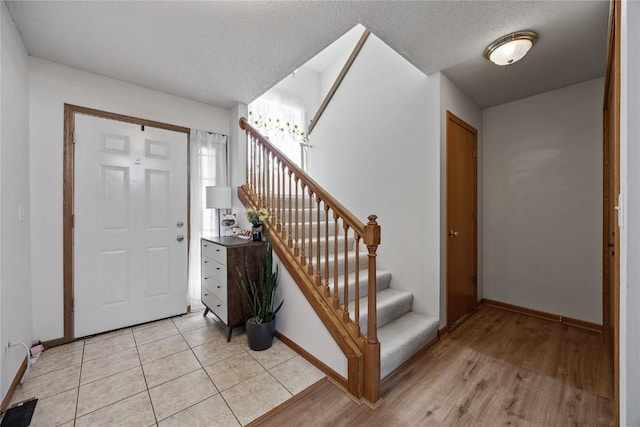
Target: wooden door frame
point(457, 120)
point(611, 172)
point(68, 198)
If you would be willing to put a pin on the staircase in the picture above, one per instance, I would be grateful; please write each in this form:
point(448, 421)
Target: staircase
point(332, 257)
point(401, 331)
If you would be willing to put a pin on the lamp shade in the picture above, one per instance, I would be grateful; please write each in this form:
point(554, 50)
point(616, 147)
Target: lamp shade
point(218, 197)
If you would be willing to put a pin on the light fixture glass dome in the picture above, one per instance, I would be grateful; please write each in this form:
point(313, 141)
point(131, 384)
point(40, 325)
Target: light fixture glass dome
point(511, 48)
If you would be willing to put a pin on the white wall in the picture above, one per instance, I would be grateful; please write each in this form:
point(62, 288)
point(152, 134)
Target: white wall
point(237, 160)
point(15, 280)
point(298, 321)
point(630, 227)
point(52, 85)
point(454, 100)
point(377, 150)
point(380, 134)
point(542, 202)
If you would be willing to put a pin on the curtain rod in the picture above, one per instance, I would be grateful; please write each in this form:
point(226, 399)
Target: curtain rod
point(216, 133)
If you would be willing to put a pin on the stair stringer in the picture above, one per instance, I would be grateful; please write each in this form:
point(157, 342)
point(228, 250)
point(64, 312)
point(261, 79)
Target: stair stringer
point(344, 334)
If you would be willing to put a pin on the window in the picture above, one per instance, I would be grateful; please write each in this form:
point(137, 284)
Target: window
point(281, 118)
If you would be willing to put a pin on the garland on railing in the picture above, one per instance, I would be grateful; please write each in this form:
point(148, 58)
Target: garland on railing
point(271, 126)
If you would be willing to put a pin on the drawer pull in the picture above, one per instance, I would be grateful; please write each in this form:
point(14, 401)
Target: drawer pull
point(217, 305)
point(217, 250)
point(206, 295)
point(205, 261)
point(217, 268)
point(218, 287)
point(205, 246)
point(205, 278)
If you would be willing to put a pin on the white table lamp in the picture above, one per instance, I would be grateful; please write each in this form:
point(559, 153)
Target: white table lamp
point(218, 197)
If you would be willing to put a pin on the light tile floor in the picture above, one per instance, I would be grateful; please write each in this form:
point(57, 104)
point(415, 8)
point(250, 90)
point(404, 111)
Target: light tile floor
point(173, 372)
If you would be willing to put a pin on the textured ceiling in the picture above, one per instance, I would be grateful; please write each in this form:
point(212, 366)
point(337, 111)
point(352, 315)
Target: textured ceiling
point(222, 52)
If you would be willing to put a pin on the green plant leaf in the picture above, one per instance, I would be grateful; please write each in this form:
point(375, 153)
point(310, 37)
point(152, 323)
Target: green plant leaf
point(260, 295)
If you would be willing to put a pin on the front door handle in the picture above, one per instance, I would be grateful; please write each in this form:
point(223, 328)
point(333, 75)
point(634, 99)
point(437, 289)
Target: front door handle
point(453, 233)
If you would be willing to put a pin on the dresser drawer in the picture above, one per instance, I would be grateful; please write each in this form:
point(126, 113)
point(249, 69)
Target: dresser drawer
point(217, 289)
point(215, 252)
point(225, 261)
point(214, 304)
point(213, 270)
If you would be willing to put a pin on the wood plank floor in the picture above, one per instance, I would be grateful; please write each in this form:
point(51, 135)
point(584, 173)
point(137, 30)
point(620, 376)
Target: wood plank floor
point(498, 368)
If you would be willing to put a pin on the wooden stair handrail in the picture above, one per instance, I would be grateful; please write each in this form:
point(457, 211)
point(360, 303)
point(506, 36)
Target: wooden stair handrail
point(341, 76)
point(343, 212)
point(350, 348)
point(268, 172)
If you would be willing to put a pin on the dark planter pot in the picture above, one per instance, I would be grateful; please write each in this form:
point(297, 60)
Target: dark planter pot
point(260, 336)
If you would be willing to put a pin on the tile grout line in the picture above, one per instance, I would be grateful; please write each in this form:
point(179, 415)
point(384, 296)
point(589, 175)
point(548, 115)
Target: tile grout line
point(247, 351)
point(116, 401)
point(278, 381)
point(75, 413)
point(119, 400)
point(58, 369)
point(108, 354)
point(81, 365)
point(123, 331)
point(208, 324)
point(189, 348)
point(144, 377)
point(208, 376)
point(280, 364)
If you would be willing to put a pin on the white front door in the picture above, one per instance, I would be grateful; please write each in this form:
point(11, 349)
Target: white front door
point(130, 224)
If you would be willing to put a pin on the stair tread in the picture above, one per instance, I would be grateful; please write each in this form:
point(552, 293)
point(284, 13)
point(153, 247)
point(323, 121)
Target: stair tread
point(383, 279)
point(390, 305)
point(313, 244)
point(363, 274)
point(386, 296)
point(403, 337)
point(401, 331)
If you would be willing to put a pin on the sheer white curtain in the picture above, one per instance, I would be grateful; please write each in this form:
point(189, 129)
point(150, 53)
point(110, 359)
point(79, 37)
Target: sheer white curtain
point(281, 117)
point(208, 167)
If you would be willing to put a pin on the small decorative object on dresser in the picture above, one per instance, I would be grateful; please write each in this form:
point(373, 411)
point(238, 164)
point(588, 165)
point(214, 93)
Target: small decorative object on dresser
point(257, 218)
point(221, 258)
point(260, 295)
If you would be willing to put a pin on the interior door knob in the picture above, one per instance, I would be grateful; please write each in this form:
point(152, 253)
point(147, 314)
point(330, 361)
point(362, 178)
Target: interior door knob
point(453, 233)
point(179, 237)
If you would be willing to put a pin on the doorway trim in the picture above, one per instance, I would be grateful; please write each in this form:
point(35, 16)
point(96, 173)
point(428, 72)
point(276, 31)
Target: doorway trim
point(458, 121)
point(611, 191)
point(68, 170)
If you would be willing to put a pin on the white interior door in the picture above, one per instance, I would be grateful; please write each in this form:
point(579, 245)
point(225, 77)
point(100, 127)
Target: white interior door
point(130, 224)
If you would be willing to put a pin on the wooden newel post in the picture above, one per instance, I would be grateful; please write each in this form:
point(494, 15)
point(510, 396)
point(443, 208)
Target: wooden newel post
point(372, 346)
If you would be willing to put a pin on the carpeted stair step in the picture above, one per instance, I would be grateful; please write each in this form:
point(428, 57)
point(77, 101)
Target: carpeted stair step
point(351, 261)
point(314, 225)
point(323, 243)
point(401, 332)
point(390, 305)
point(308, 216)
point(383, 279)
point(284, 202)
point(402, 338)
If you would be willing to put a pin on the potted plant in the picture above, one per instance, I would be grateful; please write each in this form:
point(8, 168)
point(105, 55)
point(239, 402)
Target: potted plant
point(257, 217)
point(260, 296)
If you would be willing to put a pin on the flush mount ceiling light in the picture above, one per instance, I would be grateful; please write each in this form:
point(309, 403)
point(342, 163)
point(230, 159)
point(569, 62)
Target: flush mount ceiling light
point(511, 48)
